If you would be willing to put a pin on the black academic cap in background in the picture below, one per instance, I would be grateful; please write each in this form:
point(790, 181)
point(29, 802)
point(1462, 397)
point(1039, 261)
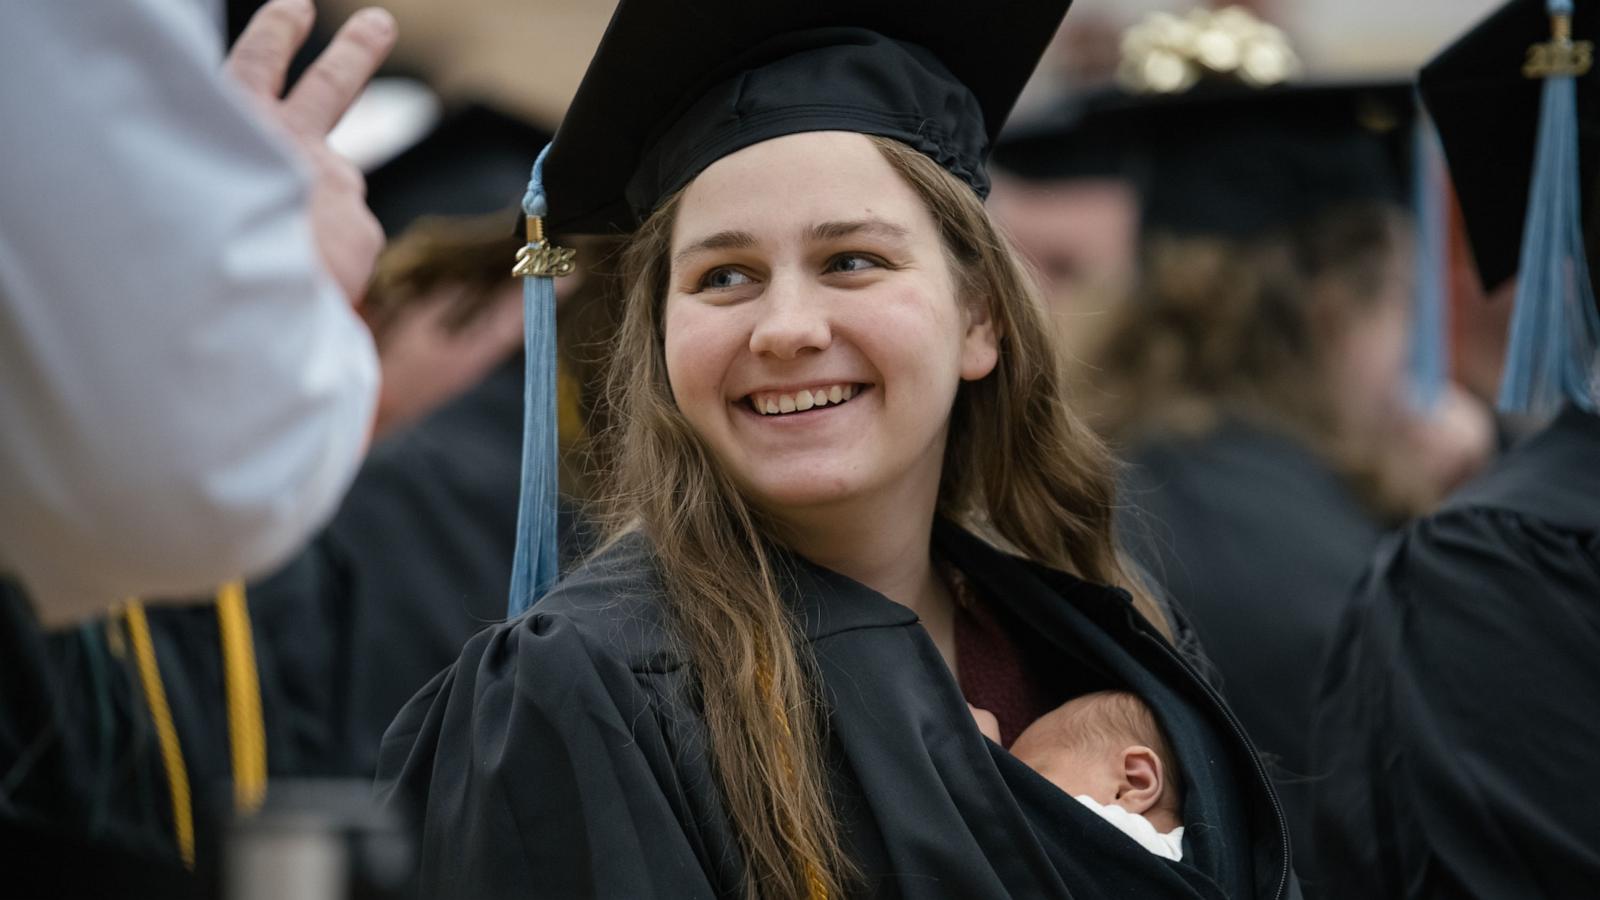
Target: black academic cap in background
point(476, 160)
point(1070, 140)
point(678, 84)
point(1487, 114)
point(1234, 161)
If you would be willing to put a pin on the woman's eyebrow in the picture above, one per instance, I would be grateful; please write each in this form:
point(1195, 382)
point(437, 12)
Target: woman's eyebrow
point(832, 231)
point(822, 231)
point(722, 240)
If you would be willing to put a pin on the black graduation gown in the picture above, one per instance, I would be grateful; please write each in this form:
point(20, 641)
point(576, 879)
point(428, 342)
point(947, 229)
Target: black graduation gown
point(559, 757)
point(1461, 700)
point(1258, 544)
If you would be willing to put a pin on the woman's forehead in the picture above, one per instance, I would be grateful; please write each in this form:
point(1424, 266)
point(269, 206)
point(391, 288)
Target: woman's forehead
point(809, 186)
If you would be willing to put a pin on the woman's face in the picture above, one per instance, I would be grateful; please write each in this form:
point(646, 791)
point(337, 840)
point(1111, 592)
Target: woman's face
point(1369, 350)
point(814, 337)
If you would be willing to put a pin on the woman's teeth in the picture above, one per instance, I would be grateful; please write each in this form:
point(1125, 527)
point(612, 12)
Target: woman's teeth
point(800, 401)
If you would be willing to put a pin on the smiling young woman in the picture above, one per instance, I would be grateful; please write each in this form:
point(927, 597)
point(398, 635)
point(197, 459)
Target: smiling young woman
point(848, 500)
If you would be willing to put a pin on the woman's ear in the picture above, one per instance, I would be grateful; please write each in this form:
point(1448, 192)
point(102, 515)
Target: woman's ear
point(980, 347)
point(1141, 781)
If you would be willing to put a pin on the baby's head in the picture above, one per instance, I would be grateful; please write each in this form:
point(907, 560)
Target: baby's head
point(1107, 745)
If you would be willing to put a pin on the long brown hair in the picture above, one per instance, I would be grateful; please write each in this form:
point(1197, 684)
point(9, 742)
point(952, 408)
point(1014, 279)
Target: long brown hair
point(1019, 467)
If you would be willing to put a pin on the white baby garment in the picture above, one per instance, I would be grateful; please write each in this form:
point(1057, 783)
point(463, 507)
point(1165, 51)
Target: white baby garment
point(1166, 846)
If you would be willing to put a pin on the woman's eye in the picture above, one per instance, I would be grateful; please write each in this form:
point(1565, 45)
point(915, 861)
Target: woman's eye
point(852, 262)
point(724, 277)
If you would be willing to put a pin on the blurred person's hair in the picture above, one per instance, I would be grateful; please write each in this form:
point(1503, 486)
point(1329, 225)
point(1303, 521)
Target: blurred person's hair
point(466, 261)
point(1222, 327)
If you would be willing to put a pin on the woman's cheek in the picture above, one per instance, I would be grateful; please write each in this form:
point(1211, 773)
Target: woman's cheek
point(675, 344)
point(696, 340)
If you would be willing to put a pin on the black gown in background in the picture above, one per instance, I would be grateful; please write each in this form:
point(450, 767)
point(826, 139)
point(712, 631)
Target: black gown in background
point(1258, 544)
point(52, 838)
point(561, 756)
point(417, 559)
point(1461, 703)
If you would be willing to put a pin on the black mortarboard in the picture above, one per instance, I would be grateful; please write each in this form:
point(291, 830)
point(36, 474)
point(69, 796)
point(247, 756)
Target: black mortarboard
point(1515, 105)
point(675, 86)
point(1239, 162)
point(1070, 140)
point(472, 162)
point(1215, 138)
point(1487, 113)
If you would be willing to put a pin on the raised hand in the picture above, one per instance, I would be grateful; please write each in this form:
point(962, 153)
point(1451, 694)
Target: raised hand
point(348, 236)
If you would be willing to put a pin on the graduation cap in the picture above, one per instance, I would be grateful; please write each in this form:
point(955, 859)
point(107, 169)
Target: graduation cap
point(1515, 104)
point(1241, 162)
point(1217, 137)
point(470, 163)
point(1070, 140)
point(675, 86)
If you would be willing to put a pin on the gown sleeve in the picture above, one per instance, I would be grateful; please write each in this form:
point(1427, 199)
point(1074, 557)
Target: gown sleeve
point(537, 763)
point(1456, 726)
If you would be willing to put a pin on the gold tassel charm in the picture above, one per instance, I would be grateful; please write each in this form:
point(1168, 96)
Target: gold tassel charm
point(1560, 56)
point(539, 259)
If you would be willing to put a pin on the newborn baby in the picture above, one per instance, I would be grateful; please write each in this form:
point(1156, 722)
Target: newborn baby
point(1106, 750)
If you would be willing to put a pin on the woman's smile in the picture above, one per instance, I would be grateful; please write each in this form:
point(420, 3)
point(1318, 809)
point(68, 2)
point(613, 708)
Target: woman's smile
point(789, 402)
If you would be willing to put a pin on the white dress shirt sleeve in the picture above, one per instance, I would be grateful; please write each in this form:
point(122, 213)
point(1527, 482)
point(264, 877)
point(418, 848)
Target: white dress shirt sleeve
point(184, 392)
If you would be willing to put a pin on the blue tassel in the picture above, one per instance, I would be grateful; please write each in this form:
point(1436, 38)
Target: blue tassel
point(1430, 353)
point(1555, 329)
point(534, 567)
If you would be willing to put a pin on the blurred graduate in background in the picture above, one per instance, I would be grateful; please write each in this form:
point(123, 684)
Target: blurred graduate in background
point(1066, 192)
point(1457, 709)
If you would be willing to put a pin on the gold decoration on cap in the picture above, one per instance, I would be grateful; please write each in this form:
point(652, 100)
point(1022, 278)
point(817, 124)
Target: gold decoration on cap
point(1168, 54)
point(1560, 56)
point(537, 258)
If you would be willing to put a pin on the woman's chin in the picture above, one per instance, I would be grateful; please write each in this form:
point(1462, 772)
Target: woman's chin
point(796, 493)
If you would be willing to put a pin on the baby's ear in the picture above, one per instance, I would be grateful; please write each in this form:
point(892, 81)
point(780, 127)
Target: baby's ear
point(1142, 779)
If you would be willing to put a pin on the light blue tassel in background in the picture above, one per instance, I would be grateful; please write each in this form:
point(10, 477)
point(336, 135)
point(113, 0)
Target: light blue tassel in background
point(1555, 329)
point(535, 565)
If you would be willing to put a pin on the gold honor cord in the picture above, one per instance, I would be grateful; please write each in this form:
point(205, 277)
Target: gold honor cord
point(155, 698)
point(247, 735)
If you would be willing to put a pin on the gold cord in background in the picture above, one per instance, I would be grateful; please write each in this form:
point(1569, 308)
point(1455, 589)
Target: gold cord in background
point(155, 698)
point(247, 739)
point(247, 734)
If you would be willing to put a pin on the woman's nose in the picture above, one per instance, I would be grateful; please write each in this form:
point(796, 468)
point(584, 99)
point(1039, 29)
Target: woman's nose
point(792, 320)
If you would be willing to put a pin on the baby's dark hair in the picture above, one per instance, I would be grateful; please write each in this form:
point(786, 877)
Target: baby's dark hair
point(1105, 720)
